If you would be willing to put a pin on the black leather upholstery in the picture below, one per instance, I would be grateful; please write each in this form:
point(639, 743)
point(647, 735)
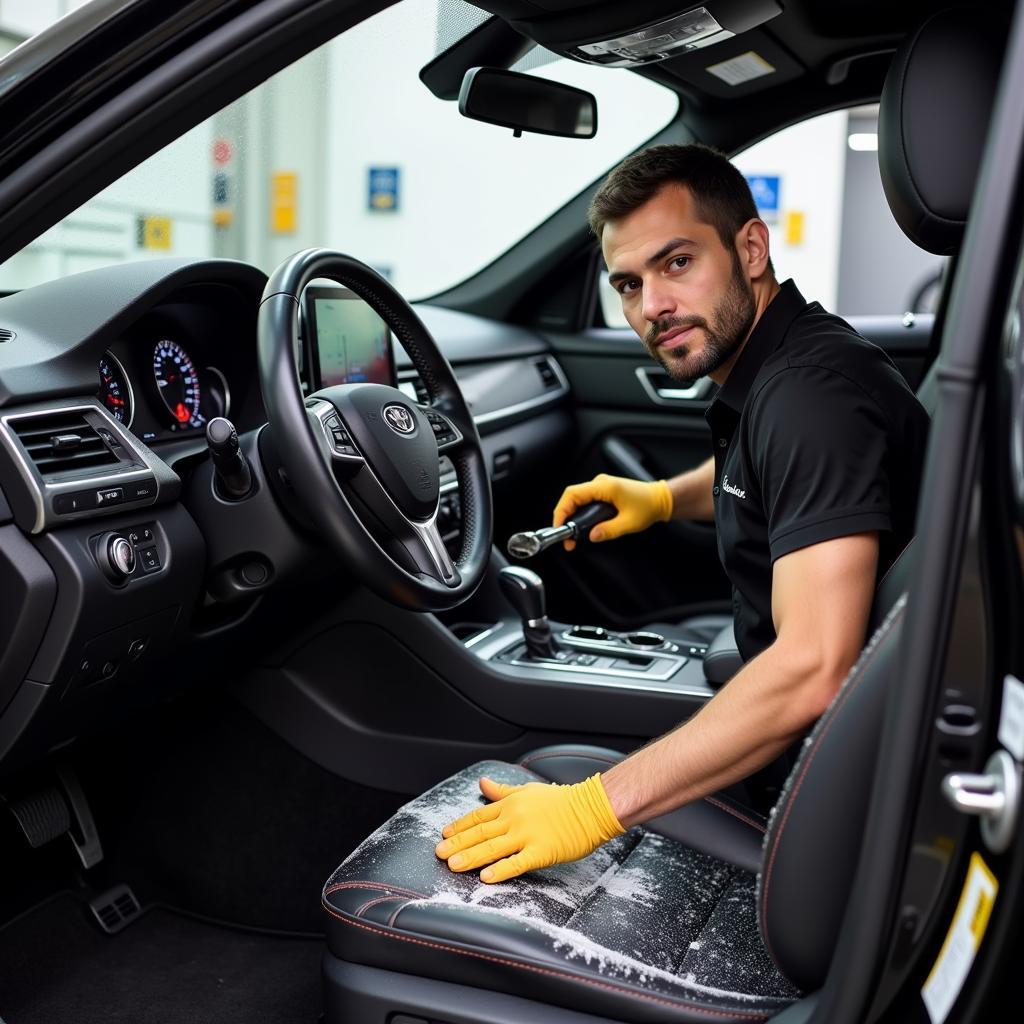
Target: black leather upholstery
point(722, 660)
point(644, 929)
point(932, 122)
point(720, 825)
point(813, 840)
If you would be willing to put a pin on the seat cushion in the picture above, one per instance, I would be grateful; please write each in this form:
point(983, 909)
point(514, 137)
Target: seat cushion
point(644, 929)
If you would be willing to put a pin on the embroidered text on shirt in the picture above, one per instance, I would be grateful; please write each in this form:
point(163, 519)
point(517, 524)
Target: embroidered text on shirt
point(731, 489)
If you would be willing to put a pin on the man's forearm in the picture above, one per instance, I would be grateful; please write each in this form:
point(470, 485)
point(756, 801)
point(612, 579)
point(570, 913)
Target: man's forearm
point(747, 724)
point(691, 493)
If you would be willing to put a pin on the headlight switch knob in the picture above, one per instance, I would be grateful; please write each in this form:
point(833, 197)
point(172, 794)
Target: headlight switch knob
point(116, 556)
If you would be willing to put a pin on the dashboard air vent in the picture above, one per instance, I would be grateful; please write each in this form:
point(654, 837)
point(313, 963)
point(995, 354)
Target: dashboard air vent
point(547, 374)
point(62, 442)
point(6, 334)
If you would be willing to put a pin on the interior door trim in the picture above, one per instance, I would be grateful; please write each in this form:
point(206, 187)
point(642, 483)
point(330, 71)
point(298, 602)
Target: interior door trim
point(696, 392)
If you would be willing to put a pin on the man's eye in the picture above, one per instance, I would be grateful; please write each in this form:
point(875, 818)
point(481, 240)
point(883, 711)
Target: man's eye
point(628, 287)
point(679, 262)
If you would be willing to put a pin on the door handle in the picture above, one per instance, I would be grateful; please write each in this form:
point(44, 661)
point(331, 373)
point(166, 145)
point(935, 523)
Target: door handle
point(663, 390)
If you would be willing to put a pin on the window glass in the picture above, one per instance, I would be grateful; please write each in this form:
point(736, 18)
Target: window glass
point(818, 187)
point(348, 149)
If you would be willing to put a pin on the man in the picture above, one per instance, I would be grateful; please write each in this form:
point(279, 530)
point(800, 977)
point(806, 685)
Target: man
point(818, 445)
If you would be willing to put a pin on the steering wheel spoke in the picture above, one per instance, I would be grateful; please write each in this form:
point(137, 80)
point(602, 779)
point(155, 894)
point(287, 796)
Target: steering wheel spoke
point(335, 441)
point(446, 434)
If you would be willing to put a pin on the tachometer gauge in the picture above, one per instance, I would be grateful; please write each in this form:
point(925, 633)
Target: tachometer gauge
point(116, 390)
point(178, 385)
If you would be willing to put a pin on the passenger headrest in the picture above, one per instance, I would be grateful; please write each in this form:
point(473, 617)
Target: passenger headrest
point(935, 110)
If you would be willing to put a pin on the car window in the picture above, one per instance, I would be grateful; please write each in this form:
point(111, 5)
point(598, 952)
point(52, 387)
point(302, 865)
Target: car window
point(817, 186)
point(348, 149)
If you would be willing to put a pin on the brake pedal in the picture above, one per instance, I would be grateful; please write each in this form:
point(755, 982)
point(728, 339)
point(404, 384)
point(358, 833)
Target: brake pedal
point(57, 810)
point(42, 816)
point(115, 909)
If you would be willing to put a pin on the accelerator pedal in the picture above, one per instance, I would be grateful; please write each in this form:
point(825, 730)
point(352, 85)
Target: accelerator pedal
point(115, 909)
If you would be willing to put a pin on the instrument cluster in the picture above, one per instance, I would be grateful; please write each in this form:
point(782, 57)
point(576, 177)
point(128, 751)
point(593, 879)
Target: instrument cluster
point(158, 389)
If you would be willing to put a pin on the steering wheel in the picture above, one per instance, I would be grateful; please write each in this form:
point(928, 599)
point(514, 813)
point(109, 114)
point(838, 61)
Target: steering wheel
point(366, 453)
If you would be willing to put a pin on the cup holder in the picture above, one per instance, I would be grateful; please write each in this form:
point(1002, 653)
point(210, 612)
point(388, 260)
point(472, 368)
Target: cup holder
point(644, 638)
point(590, 633)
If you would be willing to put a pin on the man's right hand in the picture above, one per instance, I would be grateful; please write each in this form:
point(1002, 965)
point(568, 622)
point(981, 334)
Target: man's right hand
point(640, 504)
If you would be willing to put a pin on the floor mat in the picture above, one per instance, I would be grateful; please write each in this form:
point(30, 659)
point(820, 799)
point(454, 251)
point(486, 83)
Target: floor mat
point(56, 968)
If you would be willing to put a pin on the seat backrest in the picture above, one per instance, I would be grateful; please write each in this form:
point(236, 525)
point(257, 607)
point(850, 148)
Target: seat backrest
point(936, 105)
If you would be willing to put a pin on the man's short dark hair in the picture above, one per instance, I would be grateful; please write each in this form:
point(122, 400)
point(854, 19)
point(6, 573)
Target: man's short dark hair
point(721, 193)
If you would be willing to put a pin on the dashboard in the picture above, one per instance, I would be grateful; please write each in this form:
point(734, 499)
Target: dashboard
point(115, 546)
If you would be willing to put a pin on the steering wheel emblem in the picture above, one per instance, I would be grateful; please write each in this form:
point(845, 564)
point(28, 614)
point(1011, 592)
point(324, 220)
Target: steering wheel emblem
point(399, 419)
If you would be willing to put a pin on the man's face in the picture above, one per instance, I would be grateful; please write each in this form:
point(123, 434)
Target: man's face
point(684, 293)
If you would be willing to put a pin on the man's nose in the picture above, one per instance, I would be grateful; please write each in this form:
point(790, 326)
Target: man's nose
point(658, 302)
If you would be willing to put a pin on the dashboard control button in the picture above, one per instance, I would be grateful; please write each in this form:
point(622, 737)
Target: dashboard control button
point(121, 555)
point(110, 496)
point(80, 501)
point(141, 535)
point(141, 490)
point(109, 669)
point(150, 558)
point(138, 648)
point(254, 574)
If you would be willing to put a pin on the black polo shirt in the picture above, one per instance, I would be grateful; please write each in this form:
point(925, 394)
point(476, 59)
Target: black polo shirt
point(816, 436)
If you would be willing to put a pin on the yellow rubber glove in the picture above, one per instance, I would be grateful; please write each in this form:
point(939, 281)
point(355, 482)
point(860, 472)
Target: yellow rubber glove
point(640, 503)
point(529, 827)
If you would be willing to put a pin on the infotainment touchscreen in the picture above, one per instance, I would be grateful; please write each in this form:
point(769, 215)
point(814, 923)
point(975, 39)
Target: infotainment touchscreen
point(349, 341)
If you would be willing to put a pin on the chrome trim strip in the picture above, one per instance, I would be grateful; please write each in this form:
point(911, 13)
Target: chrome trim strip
point(671, 396)
point(482, 635)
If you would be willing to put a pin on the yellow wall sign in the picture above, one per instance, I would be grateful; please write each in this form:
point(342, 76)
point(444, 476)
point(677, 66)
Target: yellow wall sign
point(794, 227)
point(284, 199)
point(154, 232)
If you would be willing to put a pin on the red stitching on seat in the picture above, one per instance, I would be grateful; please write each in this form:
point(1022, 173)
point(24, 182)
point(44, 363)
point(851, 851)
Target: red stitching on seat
point(854, 683)
point(379, 899)
point(373, 885)
point(675, 1004)
point(736, 814)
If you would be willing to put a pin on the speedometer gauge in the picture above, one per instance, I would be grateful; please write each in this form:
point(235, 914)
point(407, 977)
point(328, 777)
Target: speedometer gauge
point(116, 390)
point(178, 384)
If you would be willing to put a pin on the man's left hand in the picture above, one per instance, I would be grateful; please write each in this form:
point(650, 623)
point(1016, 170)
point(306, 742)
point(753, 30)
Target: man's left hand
point(528, 827)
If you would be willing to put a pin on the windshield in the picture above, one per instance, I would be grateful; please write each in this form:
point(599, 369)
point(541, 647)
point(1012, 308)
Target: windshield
point(348, 149)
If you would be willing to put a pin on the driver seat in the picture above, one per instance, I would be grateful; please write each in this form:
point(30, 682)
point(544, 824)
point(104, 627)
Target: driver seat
point(710, 913)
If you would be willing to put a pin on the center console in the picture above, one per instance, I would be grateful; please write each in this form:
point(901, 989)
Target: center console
point(538, 648)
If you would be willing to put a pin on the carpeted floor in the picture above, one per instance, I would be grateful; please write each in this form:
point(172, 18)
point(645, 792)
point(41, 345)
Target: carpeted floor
point(57, 968)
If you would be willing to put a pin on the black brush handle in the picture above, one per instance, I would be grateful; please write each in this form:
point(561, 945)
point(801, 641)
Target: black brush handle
point(590, 515)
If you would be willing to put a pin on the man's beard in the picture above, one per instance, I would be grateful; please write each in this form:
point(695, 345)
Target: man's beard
point(731, 322)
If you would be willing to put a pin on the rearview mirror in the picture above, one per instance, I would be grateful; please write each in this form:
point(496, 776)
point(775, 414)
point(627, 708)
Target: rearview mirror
point(527, 104)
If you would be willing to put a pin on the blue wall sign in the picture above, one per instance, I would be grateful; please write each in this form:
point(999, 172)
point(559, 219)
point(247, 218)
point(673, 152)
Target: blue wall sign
point(765, 189)
point(382, 184)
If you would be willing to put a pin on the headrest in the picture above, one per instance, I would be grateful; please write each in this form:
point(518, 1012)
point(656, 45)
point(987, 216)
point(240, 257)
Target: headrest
point(935, 110)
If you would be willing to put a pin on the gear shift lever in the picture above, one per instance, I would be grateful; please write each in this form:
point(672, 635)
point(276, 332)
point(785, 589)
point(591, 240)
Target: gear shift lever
point(525, 592)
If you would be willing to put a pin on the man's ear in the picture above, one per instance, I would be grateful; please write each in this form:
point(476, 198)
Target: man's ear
point(752, 246)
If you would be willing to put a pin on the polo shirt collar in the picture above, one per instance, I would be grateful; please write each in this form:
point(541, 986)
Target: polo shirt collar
point(765, 338)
